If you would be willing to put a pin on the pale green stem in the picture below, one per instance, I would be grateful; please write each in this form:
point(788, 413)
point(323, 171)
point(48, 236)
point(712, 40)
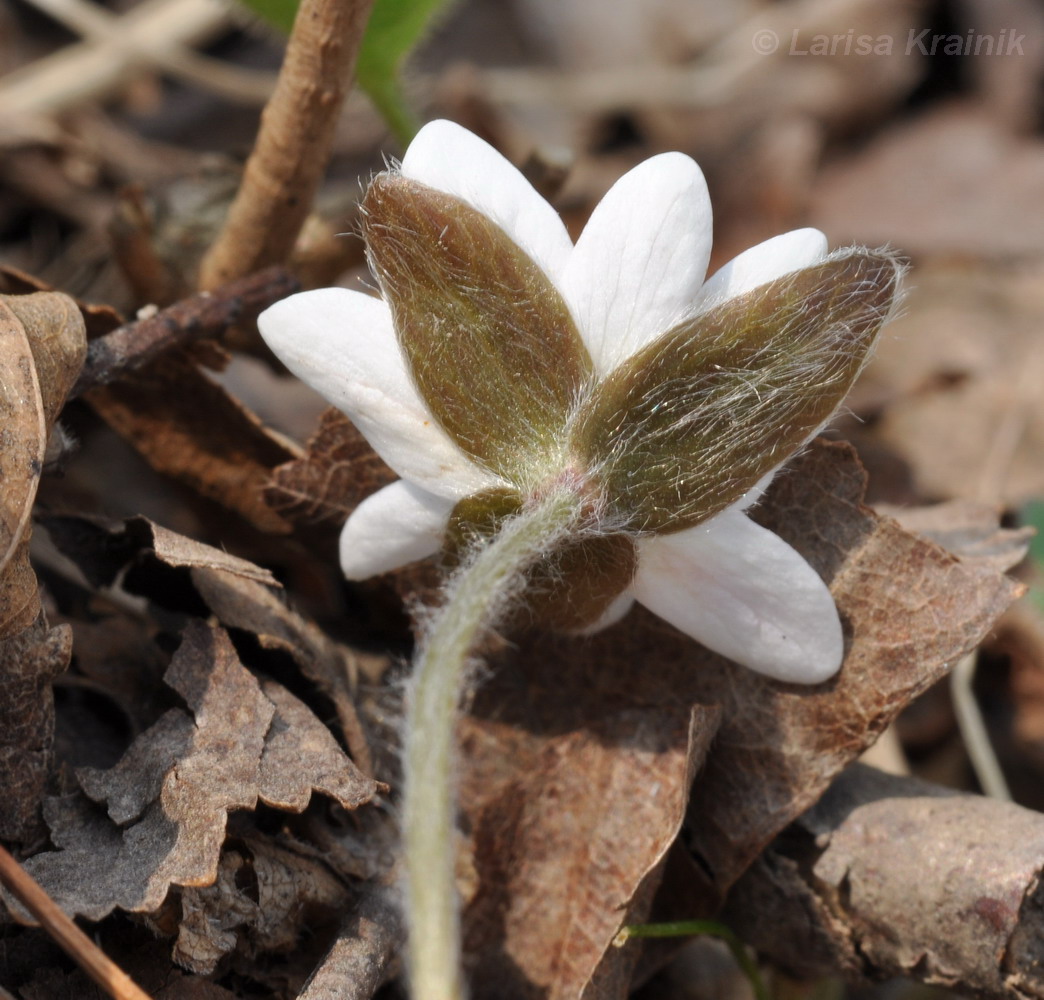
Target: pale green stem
point(477, 597)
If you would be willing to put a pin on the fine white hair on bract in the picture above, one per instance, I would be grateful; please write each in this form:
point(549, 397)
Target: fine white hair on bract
point(636, 273)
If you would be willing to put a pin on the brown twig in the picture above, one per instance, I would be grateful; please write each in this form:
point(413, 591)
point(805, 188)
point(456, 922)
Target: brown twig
point(80, 948)
point(293, 144)
point(359, 960)
point(207, 314)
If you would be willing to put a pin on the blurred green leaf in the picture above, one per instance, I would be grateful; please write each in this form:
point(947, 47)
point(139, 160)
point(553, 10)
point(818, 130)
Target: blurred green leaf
point(1033, 515)
point(278, 14)
point(395, 28)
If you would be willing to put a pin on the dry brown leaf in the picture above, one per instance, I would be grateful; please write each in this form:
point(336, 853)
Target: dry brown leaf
point(561, 861)
point(241, 595)
point(967, 529)
point(912, 610)
point(169, 797)
point(959, 904)
point(254, 905)
point(560, 716)
point(188, 427)
point(23, 434)
point(177, 550)
point(102, 550)
point(338, 471)
point(301, 756)
point(244, 604)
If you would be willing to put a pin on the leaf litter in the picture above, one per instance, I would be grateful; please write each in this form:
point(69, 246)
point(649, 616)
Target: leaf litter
point(238, 810)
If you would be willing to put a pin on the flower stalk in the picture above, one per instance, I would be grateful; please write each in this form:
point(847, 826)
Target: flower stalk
point(478, 596)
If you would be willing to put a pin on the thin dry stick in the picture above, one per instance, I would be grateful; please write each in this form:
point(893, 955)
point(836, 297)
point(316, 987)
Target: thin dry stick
point(86, 70)
point(95, 24)
point(293, 143)
point(80, 948)
point(358, 961)
point(207, 314)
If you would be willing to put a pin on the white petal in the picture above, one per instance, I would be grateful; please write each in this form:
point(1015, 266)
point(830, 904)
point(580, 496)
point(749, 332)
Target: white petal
point(343, 345)
point(745, 593)
point(399, 524)
point(641, 259)
point(764, 263)
point(450, 158)
point(757, 491)
point(618, 608)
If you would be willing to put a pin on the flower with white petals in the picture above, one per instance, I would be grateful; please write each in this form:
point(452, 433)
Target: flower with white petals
point(503, 360)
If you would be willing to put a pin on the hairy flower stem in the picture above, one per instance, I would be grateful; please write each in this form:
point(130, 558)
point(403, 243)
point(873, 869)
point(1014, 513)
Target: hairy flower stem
point(477, 597)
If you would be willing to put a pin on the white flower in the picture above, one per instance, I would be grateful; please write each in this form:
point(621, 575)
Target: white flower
point(636, 272)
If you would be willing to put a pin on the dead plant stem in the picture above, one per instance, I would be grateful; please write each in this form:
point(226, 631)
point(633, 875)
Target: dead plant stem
point(293, 144)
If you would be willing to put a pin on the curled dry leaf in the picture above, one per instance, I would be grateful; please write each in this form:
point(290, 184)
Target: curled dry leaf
point(960, 905)
point(169, 798)
point(98, 318)
point(42, 346)
point(562, 734)
point(333, 668)
point(102, 550)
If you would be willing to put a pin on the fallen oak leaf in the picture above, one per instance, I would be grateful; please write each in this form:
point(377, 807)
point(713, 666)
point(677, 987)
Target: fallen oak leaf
point(169, 798)
point(301, 756)
point(242, 595)
point(245, 604)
